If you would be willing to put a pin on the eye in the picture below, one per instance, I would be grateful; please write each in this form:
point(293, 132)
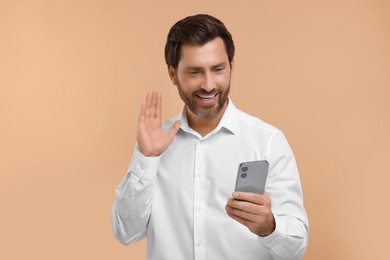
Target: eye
point(219, 69)
point(193, 72)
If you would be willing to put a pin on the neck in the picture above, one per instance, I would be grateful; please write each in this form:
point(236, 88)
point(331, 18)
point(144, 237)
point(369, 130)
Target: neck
point(203, 126)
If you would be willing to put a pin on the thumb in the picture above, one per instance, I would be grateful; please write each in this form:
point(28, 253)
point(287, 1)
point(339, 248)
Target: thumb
point(174, 129)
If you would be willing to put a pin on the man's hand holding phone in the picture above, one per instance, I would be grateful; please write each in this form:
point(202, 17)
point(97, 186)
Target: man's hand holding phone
point(151, 138)
point(253, 211)
point(250, 204)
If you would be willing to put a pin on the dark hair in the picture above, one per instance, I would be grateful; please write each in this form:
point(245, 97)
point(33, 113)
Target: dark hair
point(196, 30)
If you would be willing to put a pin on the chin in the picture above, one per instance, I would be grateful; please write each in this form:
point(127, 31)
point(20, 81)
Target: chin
point(207, 113)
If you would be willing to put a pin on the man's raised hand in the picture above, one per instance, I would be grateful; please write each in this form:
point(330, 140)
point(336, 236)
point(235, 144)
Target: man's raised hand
point(151, 138)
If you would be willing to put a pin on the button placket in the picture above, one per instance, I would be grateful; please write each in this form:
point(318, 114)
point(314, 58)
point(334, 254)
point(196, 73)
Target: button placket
point(198, 201)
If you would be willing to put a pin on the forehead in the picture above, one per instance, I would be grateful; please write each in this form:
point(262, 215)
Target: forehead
point(207, 55)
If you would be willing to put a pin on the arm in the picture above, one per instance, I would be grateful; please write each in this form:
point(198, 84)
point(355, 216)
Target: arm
point(281, 226)
point(133, 197)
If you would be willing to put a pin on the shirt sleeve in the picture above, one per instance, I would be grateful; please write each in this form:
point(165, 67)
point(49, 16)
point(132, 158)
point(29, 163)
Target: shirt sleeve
point(133, 199)
point(289, 239)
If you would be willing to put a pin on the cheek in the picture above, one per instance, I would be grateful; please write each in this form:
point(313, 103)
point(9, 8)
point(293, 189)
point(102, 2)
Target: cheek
point(223, 80)
point(189, 83)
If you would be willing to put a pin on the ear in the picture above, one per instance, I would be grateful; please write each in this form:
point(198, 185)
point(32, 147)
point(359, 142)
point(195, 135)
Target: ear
point(172, 75)
point(232, 67)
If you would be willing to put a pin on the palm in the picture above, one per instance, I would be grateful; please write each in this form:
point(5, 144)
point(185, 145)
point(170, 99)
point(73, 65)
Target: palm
point(151, 138)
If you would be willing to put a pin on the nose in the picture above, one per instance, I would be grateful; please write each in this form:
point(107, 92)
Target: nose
point(208, 83)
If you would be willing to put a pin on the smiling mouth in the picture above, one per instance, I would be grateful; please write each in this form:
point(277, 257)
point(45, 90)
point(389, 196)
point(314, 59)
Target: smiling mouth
point(206, 97)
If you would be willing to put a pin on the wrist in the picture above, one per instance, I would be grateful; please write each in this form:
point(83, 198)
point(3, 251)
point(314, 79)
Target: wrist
point(146, 152)
point(271, 228)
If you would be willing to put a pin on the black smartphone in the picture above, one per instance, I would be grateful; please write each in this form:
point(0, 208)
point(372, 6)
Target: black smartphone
point(251, 176)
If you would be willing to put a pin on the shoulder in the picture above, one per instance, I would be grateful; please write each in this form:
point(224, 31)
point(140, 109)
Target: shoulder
point(264, 136)
point(255, 124)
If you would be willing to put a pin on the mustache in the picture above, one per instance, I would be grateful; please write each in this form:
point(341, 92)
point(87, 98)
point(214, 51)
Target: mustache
point(205, 93)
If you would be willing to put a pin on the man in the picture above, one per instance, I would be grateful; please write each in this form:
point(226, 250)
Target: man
point(179, 188)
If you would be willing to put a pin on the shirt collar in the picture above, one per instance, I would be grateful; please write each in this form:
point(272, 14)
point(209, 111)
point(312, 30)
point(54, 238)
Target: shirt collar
point(229, 120)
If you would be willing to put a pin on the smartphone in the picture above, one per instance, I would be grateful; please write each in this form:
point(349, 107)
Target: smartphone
point(251, 176)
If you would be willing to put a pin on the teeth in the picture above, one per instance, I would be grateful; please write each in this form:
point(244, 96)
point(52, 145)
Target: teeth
point(207, 97)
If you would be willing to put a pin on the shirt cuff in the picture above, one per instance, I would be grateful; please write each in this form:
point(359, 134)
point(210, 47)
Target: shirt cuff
point(143, 166)
point(273, 240)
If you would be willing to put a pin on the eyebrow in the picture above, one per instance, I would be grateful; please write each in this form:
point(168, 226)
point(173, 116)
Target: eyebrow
point(201, 68)
point(220, 65)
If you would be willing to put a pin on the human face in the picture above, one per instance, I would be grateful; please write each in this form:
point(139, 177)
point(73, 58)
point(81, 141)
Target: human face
point(203, 78)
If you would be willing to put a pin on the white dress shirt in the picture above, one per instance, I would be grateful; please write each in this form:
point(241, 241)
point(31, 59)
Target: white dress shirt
point(178, 199)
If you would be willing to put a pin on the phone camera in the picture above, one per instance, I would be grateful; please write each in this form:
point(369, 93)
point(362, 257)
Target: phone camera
point(243, 175)
point(244, 169)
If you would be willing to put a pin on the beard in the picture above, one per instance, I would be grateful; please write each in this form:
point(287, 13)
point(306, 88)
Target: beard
point(203, 110)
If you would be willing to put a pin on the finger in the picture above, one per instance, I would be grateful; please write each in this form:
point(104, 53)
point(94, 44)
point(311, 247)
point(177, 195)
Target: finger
point(142, 114)
point(148, 103)
point(245, 206)
point(153, 107)
point(159, 105)
point(242, 214)
point(243, 221)
point(174, 129)
point(248, 196)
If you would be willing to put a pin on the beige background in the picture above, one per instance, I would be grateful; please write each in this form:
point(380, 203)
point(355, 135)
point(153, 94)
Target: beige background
point(73, 74)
